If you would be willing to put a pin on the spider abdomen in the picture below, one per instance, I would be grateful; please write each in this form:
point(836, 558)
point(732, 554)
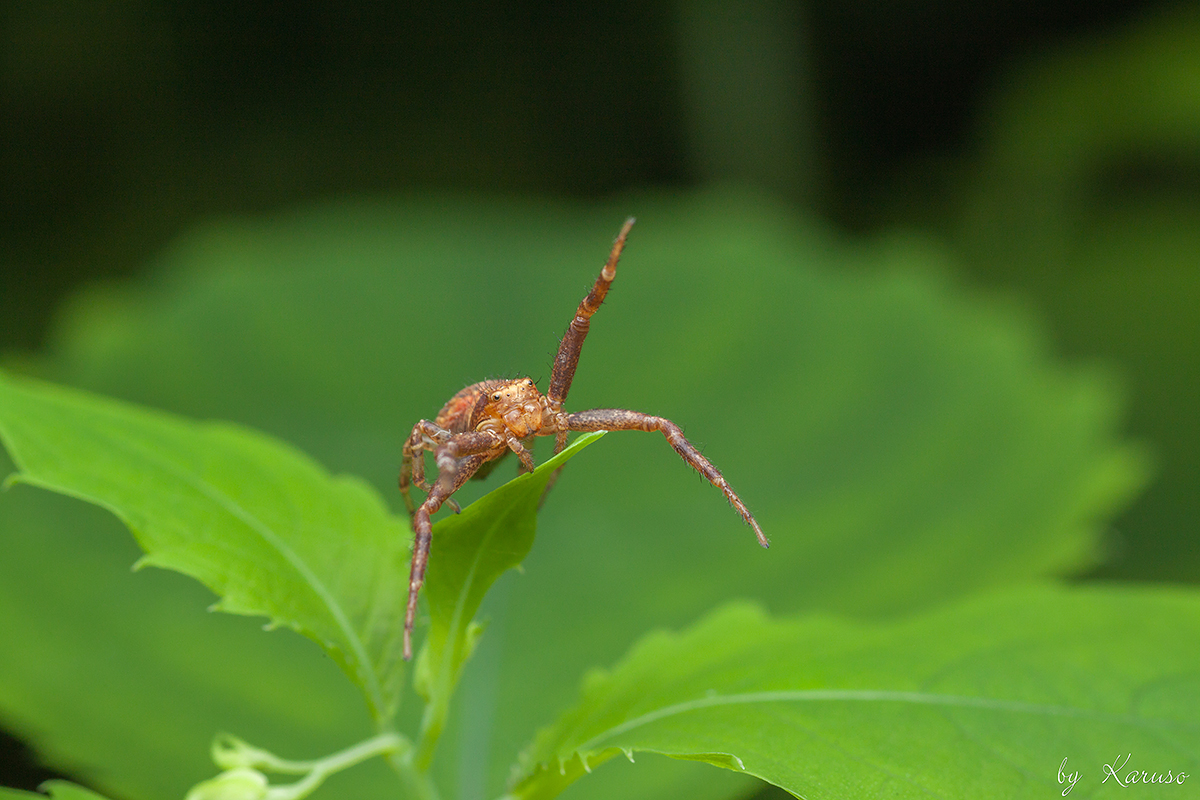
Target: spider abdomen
point(465, 410)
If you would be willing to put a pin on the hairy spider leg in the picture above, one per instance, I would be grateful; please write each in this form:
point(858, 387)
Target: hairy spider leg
point(412, 466)
point(486, 442)
point(423, 535)
point(567, 358)
point(618, 419)
point(458, 458)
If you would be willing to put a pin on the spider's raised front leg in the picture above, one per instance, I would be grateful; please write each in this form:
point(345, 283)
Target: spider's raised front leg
point(567, 358)
point(617, 419)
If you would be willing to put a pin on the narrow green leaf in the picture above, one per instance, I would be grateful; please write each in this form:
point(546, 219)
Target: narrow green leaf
point(985, 699)
point(468, 553)
point(254, 520)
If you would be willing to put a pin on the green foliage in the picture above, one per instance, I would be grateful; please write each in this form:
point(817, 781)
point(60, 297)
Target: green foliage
point(255, 521)
point(1083, 198)
point(980, 700)
point(267, 530)
point(123, 679)
point(903, 445)
point(57, 790)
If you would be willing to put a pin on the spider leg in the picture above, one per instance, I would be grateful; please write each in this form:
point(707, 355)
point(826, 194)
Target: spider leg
point(412, 467)
point(549, 485)
point(423, 535)
point(411, 452)
point(465, 444)
point(567, 358)
point(560, 444)
point(553, 476)
point(616, 419)
point(523, 453)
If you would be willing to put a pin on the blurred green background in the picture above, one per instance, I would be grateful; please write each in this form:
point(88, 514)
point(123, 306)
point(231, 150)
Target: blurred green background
point(1052, 149)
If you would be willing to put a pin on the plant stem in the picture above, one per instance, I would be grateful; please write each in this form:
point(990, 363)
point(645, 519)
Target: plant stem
point(432, 724)
point(391, 744)
point(417, 783)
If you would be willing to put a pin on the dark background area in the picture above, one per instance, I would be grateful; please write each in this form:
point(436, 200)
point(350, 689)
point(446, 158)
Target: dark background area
point(124, 124)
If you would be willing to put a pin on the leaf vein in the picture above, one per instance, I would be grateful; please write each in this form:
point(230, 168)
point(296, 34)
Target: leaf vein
point(863, 695)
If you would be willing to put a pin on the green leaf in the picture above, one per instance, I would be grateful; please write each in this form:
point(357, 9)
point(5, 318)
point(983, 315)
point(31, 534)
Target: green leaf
point(984, 699)
point(123, 678)
point(468, 553)
point(57, 790)
point(63, 790)
point(902, 440)
point(1047, 208)
point(470, 550)
point(257, 522)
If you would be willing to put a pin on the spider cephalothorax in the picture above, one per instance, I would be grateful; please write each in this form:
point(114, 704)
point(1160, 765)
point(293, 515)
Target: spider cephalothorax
point(489, 419)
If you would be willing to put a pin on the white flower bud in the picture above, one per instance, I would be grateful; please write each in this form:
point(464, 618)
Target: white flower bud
point(234, 784)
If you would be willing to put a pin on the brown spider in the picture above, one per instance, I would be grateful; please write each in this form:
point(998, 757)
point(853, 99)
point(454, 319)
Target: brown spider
point(486, 420)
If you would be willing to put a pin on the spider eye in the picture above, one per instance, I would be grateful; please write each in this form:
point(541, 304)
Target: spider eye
point(496, 398)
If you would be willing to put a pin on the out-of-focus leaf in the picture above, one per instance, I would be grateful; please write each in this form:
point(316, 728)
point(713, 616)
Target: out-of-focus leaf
point(984, 699)
point(1107, 124)
point(1084, 199)
point(64, 790)
point(257, 522)
point(57, 790)
point(901, 442)
point(1133, 295)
